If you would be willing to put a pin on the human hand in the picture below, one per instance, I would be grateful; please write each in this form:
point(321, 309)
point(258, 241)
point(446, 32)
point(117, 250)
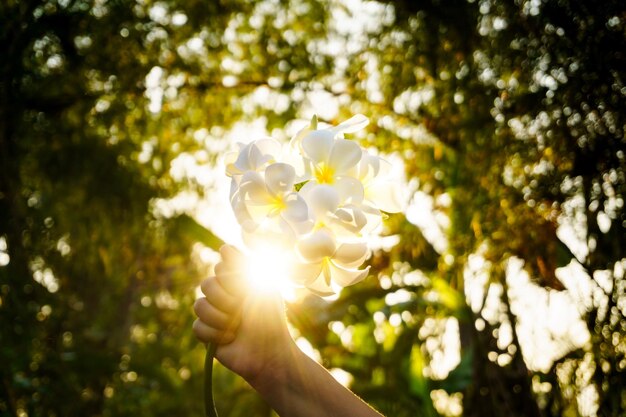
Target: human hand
point(249, 329)
point(252, 338)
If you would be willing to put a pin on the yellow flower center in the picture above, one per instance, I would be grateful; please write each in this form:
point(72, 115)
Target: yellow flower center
point(278, 204)
point(324, 174)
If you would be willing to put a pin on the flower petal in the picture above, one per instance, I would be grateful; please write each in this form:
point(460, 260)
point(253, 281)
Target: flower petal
point(229, 162)
point(279, 178)
point(316, 246)
point(296, 209)
point(295, 144)
point(368, 167)
point(344, 155)
point(234, 187)
point(318, 144)
point(322, 199)
point(301, 166)
point(347, 222)
point(351, 255)
point(345, 276)
point(350, 190)
point(240, 211)
point(306, 273)
point(373, 218)
point(253, 189)
point(321, 288)
point(268, 147)
point(385, 195)
point(258, 213)
point(233, 258)
point(256, 154)
point(358, 215)
point(353, 124)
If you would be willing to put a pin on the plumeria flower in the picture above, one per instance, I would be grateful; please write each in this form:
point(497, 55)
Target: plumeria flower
point(337, 207)
point(323, 198)
point(268, 200)
point(333, 187)
point(326, 264)
point(380, 190)
point(330, 159)
point(353, 124)
point(255, 156)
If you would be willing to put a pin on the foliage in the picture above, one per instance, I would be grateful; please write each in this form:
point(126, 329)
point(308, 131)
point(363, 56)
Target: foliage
point(509, 119)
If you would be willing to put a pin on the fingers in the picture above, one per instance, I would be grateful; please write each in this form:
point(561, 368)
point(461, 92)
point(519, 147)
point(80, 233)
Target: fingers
point(231, 255)
point(214, 325)
point(230, 272)
point(219, 312)
point(231, 282)
point(220, 298)
point(215, 318)
point(208, 334)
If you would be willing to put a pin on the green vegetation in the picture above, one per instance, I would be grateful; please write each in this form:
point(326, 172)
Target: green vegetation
point(509, 118)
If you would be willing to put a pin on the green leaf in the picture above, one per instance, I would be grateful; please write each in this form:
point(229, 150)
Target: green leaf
point(193, 230)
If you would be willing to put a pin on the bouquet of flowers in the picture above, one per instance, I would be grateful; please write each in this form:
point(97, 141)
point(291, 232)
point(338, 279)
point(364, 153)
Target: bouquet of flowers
point(316, 200)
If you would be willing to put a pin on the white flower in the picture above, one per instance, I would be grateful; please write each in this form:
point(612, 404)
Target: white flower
point(327, 264)
point(336, 207)
point(332, 193)
point(353, 124)
point(267, 200)
point(380, 190)
point(317, 203)
point(330, 158)
point(254, 156)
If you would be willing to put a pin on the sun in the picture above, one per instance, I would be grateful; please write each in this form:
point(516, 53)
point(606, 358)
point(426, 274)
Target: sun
point(268, 270)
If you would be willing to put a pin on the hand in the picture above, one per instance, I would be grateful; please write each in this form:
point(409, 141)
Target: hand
point(250, 329)
point(252, 339)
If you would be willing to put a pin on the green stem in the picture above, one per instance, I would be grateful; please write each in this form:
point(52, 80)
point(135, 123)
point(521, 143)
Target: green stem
point(209, 403)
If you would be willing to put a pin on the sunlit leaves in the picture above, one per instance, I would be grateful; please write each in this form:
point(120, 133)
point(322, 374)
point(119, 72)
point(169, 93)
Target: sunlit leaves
point(508, 116)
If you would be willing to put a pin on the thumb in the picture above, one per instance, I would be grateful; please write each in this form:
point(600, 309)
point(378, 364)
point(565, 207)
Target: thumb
point(230, 272)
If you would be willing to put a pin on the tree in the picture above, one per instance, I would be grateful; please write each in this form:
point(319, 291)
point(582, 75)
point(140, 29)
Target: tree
point(507, 116)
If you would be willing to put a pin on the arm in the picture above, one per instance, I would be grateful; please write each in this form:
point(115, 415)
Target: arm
point(254, 342)
point(300, 387)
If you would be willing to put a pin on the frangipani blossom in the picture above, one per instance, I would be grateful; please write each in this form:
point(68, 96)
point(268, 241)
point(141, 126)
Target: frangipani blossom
point(330, 159)
point(380, 190)
point(332, 193)
point(319, 199)
point(353, 124)
point(336, 207)
point(254, 156)
point(268, 200)
point(325, 262)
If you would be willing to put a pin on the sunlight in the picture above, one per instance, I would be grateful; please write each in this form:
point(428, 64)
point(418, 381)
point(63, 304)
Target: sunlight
point(268, 270)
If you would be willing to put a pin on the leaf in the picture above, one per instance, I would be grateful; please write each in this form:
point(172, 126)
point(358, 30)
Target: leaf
point(190, 228)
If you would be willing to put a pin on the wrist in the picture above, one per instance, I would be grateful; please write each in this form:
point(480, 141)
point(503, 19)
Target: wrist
point(275, 372)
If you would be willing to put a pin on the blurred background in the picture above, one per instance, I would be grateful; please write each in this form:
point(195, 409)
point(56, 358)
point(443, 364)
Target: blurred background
point(500, 291)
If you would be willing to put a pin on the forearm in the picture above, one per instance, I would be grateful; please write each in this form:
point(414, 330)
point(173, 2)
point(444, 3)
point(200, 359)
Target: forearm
point(300, 387)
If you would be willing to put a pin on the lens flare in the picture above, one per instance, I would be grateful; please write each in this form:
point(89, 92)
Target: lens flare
point(268, 269)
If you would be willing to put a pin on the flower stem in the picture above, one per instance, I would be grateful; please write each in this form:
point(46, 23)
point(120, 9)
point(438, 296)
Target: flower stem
point(209, 403)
